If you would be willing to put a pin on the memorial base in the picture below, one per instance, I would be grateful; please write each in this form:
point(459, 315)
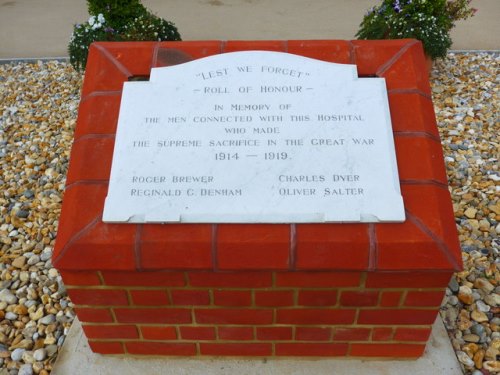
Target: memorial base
point(357, 290)
point(355, 314)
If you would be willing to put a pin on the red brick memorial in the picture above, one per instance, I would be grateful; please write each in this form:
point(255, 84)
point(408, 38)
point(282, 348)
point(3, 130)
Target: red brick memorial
point(259, 289)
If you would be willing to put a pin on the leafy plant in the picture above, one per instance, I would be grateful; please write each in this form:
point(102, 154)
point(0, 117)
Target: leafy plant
point(117, 20)
point(429, 21)
point(116, 12)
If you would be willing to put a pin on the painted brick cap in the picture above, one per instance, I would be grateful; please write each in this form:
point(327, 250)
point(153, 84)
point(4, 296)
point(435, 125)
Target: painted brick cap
point(427, 241)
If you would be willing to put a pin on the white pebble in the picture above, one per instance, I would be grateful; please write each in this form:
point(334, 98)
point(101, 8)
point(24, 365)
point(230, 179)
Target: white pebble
point(10, 315)
point(48, 319)
point(25, 369)
point(46, 254)
point(53, 273)
point(465, 359)
point(7, 296)
point(40, 354)
point(33, 260)
point(17, 354)
point(483, 307)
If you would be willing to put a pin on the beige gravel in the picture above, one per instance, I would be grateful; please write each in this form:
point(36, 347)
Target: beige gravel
point(38, 109)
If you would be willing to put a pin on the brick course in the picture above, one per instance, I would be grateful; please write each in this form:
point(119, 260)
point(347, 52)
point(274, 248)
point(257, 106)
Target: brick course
point(360, 290)
point(329, 329)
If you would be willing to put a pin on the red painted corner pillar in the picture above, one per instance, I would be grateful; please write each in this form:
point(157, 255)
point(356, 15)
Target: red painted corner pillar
point(361, 290)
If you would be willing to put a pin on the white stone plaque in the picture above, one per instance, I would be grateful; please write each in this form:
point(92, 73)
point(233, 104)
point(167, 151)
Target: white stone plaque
point(254, 137)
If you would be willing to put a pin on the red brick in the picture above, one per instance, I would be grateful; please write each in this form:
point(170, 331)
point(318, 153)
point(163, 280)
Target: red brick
point(235, 333)
point(351, 334)
point(412, 334)
point(317, 297)
point(176, 246)
point(236, 349)
point(83, 232)
point(234, 316)
point(371, 55)
point(138, 56)
point(425, 168)
point(337, 51)
point(387, 350)
point(313, 334)
point(423, 120)
point(317, 279)
point(408, 236)
point(232, 298)
point(231, 279)
point(408, 71)
point(158, 333)
point(315, 316)
point(427, 298)
point(107, 347)
point(153, 315)
point(155, 279)
point(192, 49)
point(255, 45)
point(190, 297)
point(80, 278)
point(110, 331)
point(438, 217)
point(322, 246)
point(160, 348)
point(197, 333)
point(274, 298)
point(106, 76)
point(274, 333)
point(253, 246)
point(149, 297)
point(91, 241)
point(402, 316)
point(99, 297)
point(98, 114)
point(361, 298)
point(430, 234)
point(91, 315)
point(390, 299)
point(91, 159)
point(382, 334)
point(88, 199)
point(407, 279)
point(311, 349)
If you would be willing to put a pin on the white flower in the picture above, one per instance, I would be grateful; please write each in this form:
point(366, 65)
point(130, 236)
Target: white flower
point(100, 18)
point(91, 20)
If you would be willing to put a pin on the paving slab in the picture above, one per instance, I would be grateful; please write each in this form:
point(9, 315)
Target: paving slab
point(75, 358)
point(41, 28)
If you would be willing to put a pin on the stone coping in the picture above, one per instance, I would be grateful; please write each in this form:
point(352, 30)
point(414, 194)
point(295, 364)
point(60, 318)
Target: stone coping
point(426, 241)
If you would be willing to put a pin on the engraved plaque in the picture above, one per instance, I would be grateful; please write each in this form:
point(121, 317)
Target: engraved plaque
point(254, 137)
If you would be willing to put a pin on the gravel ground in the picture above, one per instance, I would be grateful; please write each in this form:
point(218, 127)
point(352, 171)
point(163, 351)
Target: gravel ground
point(465, 90)
point(38, 109)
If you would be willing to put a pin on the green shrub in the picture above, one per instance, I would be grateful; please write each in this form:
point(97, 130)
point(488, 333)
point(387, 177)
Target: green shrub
point(117, 20)
point(116, 12)
point(429, 21)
